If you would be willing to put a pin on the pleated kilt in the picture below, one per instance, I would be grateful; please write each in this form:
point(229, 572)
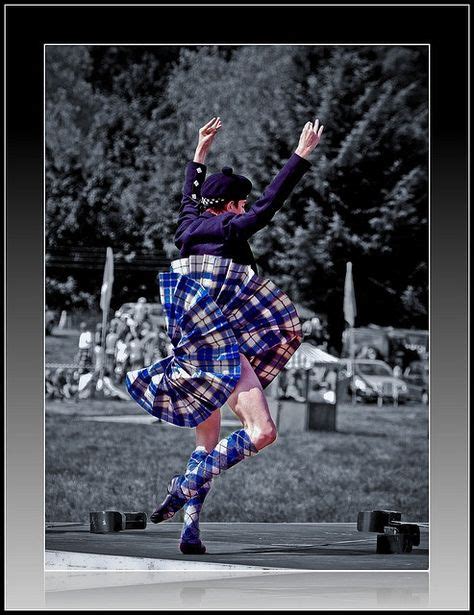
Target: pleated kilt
point(214, 310)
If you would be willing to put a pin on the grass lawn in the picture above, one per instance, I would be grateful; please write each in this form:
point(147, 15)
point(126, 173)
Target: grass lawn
point(377, 459)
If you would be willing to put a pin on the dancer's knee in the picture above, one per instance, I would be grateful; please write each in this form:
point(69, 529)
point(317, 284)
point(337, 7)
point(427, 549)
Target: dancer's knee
point(263, 435)
point(252, 408)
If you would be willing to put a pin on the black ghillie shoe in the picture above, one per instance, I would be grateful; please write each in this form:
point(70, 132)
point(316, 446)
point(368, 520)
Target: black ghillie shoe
point(174, 501)
point(192, 548)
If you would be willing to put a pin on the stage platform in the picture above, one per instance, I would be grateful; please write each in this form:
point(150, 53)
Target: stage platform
point(231, 547)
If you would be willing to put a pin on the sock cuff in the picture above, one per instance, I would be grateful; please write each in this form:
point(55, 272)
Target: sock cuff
point(252, 448)
point(242, 441)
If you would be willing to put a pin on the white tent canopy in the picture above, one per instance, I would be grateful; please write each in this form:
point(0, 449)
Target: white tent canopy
point(309, 355)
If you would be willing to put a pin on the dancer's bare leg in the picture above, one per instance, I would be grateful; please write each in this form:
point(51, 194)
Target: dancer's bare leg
point(248, 402)
point(207, 432)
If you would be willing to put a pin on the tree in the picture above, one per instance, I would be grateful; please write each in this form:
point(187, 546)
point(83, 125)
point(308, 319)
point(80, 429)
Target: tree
point(123, 121)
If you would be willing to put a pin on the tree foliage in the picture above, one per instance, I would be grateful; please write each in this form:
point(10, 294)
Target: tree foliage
point(121, 122)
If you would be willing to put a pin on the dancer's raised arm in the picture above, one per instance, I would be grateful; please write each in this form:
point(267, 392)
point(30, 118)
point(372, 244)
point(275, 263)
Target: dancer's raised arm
point(243, 226)
point(195, 175)
point(206, 136)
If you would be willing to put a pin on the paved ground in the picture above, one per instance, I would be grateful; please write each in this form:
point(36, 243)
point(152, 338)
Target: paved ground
point(297, 546)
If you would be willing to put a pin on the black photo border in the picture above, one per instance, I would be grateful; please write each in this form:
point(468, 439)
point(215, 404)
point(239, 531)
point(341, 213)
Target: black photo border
point(445, 28)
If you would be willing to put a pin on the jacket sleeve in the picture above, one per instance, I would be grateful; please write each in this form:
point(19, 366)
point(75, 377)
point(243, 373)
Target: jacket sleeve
point(243, 226)
point(189, 210)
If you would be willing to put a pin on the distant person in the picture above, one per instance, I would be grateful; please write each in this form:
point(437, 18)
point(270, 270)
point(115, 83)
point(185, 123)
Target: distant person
point(98, 351)
point(372, 354)
point(122, 354)
point(115, 322)
point(331, 379)
point(110, 347)
point(140, 312)
point(71, 386)
point(316, 330)
point(98, 334)
point(300, 379)
point(293, 390)
point(306, 328)
point(149, 342)
point(99, 359)
point(123, 326)
point(398, 368)
point(136, 352)
point(48, 383)
point(367, 352)
point(84, 355)
point(163, 343)
point(59, 381)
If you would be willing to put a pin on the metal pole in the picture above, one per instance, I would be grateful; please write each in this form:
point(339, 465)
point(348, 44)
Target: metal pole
point(102, 345)
point(106, 294)
point(352, 349)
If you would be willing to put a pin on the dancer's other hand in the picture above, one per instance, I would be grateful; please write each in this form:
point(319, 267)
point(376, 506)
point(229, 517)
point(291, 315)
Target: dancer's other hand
point(309, 138)
point(207, 134)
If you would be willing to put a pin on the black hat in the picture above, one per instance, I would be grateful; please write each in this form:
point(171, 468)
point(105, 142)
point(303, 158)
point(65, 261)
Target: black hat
point(223, 187)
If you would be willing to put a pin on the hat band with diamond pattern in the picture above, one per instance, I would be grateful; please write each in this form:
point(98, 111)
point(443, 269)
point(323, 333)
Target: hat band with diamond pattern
point(214, 202)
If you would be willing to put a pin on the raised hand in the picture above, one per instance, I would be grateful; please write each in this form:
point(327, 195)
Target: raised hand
point(209, 131)
point(206, 137)
point(309, 138)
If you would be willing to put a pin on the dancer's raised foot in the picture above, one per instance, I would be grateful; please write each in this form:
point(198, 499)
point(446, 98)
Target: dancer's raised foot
point(174, 501)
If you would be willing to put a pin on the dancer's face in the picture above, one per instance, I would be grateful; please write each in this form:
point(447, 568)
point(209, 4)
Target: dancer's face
point(236, 207)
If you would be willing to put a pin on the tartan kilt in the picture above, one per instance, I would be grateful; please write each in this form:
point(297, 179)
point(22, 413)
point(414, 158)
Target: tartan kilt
point(214, 309)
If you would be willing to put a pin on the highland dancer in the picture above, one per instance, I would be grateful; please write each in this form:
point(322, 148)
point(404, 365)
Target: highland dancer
point(231, 330)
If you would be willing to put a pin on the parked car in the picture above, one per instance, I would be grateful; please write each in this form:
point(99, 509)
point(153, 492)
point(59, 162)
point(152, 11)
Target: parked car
point(373, 380)
point(386, 343)
point(416, 376)
point(155, 312)
point(49, 320)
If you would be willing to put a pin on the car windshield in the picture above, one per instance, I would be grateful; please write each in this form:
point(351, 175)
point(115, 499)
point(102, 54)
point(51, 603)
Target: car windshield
point(373, 369)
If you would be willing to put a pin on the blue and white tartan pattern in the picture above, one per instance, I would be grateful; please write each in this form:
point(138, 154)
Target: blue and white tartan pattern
point(263, 318)
point(190, 531)
point(215, 308)
point(188, 385)
point(228, 452)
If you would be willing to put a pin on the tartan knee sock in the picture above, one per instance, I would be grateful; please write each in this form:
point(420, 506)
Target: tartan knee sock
point(227, 453)
point(190, 532)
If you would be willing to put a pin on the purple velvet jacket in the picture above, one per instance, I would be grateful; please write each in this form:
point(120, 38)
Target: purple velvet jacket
point(226, 234)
